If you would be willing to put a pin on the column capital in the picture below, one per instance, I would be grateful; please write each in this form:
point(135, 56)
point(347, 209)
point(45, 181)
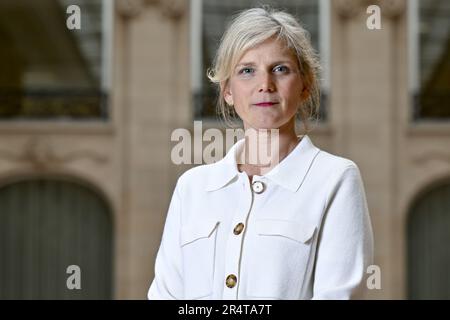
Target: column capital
point(350, 9)
point(171, 9)
point(392, 9)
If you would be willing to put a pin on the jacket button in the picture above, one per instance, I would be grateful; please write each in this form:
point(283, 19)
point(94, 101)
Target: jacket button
point(238, 229)
point(258, 187)
point(231, 281)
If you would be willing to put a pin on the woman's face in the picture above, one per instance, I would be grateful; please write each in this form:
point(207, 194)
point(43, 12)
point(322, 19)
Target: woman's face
point(266, 87)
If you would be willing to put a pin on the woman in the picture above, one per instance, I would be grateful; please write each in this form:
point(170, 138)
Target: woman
point(294, 227)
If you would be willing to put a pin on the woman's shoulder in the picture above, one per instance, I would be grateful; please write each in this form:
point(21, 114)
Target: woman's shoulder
point(325, 164)
point(197, 172)
point(330, 164)
point(198, 176)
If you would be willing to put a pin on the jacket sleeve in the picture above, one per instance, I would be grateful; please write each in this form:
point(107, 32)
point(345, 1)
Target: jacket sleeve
point(345, 244)
point(168, 281)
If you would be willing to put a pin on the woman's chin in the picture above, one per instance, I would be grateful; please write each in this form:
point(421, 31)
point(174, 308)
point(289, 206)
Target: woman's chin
point(266, 124)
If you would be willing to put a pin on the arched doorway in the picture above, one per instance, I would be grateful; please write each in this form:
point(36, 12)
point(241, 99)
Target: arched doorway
point(47, 225)
point(429, 245)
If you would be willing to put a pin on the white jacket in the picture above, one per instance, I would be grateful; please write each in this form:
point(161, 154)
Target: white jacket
point(305, 231)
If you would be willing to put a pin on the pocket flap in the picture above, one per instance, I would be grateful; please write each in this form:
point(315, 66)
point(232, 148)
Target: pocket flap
point(197, 230)
point(286, 228)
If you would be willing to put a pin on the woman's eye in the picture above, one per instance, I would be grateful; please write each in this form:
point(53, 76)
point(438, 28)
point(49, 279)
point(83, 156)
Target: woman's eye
point(281, 69)
point(246, 70)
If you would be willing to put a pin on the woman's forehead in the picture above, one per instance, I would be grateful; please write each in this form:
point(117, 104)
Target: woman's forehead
point(269, 50)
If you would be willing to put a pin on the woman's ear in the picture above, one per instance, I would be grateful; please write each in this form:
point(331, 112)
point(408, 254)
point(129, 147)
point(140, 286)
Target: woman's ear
point(305, 93)
point(226, 92)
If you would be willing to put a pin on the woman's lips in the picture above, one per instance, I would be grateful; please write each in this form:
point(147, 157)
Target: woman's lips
point(265, 104)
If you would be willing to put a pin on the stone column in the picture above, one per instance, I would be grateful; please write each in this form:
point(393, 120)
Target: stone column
point(365, 71)
point(152, 41)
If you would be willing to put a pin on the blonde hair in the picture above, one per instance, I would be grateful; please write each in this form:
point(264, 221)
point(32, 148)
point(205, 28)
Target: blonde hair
point(252, 27)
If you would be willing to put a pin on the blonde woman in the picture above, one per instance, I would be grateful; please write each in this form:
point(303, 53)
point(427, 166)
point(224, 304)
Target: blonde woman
point(295, 227)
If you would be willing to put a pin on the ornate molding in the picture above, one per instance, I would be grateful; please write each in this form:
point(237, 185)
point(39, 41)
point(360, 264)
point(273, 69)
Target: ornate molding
point(392, 9)
point(129, 8)
point(174, 9)
point(348, 9)
point(171, 9)
point(40, 153)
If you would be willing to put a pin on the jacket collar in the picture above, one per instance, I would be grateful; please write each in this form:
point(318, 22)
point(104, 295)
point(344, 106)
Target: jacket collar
point(289, 173)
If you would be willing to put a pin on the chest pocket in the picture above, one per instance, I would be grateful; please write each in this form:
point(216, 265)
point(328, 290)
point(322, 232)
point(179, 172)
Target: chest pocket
point(280, 258)
point(198, 244)
point(284, 228)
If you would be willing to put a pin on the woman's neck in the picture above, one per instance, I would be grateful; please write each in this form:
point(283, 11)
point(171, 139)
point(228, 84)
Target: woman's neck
point(265, 148)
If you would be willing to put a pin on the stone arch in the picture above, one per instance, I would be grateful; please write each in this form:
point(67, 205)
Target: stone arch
point(48, 223)
point(427, 238)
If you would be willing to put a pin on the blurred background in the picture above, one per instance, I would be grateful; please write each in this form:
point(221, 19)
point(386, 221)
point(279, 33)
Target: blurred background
point(86, 117)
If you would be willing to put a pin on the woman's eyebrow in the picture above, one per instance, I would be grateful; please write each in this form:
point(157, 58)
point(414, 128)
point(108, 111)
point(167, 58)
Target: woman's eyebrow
point(251, 64)
point(282, 62)
point(245, 64)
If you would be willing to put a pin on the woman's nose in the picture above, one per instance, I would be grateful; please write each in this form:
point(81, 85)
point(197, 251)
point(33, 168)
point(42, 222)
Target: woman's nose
point(266, 83)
